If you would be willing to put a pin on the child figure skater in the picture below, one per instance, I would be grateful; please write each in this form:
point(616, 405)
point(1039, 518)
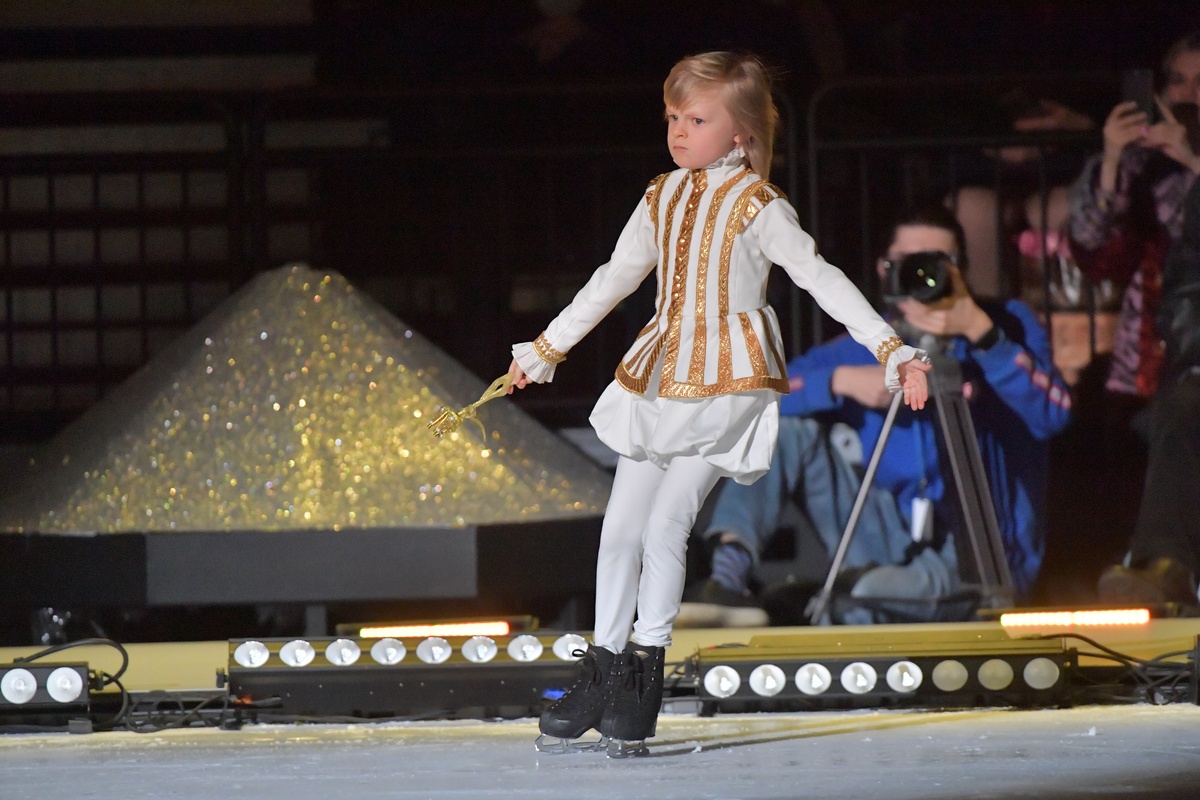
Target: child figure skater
point(696, 396)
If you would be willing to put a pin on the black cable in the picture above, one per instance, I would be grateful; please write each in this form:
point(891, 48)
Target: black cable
point(177, 718)
point(58, 648)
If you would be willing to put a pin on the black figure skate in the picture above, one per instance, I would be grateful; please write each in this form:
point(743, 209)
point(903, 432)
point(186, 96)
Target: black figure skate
point(583, 705)
point(632, 714)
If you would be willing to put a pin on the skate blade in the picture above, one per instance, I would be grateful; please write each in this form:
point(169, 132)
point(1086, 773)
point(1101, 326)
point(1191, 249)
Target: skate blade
point(627, 748)
point(557, 746)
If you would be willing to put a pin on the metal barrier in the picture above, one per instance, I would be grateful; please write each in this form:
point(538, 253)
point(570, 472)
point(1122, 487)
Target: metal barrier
point(473, 214)
point(866, 179)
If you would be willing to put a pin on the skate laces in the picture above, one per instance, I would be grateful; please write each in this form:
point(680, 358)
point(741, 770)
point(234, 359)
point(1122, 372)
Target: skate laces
point(635, 673)
point(589, 675)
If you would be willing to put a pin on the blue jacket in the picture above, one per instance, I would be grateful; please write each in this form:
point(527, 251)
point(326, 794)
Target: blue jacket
point(1017, 399)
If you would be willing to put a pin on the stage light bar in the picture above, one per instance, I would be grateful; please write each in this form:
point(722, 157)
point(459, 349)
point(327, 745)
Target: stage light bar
point(430, 675)
point(896, 666)
point(498, 627)
point(954, 682)
point(43, 694)
point(1075, 619)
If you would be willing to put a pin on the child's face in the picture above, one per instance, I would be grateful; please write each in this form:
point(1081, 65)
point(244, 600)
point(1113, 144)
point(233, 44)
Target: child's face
point(700, 130)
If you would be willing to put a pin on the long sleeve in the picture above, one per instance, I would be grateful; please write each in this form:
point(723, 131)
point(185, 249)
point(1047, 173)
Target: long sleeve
point(1093, 210)
point(787, 245)
point(633, 258)
point(1020, 370)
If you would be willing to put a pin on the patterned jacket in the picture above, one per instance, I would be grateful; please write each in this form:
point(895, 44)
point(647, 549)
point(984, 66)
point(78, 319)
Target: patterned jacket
point(711, 235)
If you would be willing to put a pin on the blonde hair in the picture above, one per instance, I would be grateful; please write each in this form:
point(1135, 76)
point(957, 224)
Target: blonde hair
point(745, 86)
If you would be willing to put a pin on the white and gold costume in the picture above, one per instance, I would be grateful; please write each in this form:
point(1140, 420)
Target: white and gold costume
point(702, 380)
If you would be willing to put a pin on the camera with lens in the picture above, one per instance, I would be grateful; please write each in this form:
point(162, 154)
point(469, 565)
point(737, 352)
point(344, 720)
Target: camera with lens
point(925, 277)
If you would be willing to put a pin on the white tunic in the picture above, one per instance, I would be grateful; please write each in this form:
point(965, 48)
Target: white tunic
point(704, 376)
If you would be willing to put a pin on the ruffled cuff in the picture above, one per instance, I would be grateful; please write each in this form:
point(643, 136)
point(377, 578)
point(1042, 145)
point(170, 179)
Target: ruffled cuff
point(537, 369)
point(900, 355)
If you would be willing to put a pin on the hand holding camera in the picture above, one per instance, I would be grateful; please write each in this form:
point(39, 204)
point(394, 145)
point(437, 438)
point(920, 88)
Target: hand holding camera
point(929, 290)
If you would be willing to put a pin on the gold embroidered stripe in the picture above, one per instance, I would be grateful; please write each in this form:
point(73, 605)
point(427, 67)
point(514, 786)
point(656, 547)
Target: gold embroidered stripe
point(763, 196)
point(652, 199)
point(771, 343)
point(732, 229)
point(758, 359)
point(664, 252)
point(683, 249)
point(638, 383)
point(691, 391)
point(700, 340)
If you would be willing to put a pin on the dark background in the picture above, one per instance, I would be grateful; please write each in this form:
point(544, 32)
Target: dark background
point(518, 136)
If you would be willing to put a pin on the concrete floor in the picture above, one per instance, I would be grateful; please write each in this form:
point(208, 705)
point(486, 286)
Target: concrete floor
point(1088, 752)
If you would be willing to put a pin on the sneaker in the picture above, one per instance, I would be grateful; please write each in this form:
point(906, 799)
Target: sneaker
point(1161, 581)
point(711, 605)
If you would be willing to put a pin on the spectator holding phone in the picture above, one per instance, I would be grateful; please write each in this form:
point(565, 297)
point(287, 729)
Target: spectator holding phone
point(1127, 209)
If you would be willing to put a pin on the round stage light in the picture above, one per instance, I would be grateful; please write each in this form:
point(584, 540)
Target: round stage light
point(950, 676)
point(1041, 673)
point(995, 674)
point(64, 685)
point(813, 679)
point(904, 677)
point(479, 649)
point(568, 644)
point(434, 650)
point(388, 651)
point(251, 654)
point(342, 652)
point(525, 648)
point(859, 677)
point(722, 681)
point(297, 653)
point(767, 680)
point(18, 686)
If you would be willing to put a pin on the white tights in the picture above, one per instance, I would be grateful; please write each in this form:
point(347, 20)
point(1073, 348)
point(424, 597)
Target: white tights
point(643, 546)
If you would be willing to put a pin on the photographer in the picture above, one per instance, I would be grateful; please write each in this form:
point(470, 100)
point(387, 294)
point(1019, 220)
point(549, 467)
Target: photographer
point(1127, 210)
point(903, 543)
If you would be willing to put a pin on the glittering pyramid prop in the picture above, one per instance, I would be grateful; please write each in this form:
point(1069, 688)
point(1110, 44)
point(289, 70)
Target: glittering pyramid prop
point(299, 404)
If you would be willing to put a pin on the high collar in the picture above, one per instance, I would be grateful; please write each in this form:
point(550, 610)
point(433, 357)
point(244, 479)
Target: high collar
point(734, 158)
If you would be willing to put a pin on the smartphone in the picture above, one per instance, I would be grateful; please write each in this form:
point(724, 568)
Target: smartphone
point(1137, 85)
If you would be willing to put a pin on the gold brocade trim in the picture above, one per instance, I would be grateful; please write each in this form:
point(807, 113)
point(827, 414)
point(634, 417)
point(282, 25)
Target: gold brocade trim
point(636, 384)
point(699, 337)
point(683, 249)
point(732, 229)
point(650, 326)
point(691, 391)
point(886, 348)
point(758, 359)
point(546, 351)
point(764, 195)
point(652, 193)
point(664, 251)
point(773, 344)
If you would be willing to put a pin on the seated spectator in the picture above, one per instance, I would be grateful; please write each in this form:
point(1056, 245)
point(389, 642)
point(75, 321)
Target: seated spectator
point(1164, 556)
point(903, 545)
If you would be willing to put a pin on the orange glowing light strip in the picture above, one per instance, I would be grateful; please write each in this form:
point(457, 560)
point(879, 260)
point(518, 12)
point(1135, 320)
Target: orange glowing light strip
point(499, 628)
point(1069, 619)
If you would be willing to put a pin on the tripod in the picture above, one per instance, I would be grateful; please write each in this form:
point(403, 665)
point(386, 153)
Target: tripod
point(981, 561)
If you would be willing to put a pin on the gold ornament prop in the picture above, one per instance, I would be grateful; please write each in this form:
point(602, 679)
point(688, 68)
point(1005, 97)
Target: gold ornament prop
point(449, 420)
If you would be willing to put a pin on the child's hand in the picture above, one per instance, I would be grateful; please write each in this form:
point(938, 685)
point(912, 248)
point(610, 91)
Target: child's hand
point(914, 384)
point(519, 380)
